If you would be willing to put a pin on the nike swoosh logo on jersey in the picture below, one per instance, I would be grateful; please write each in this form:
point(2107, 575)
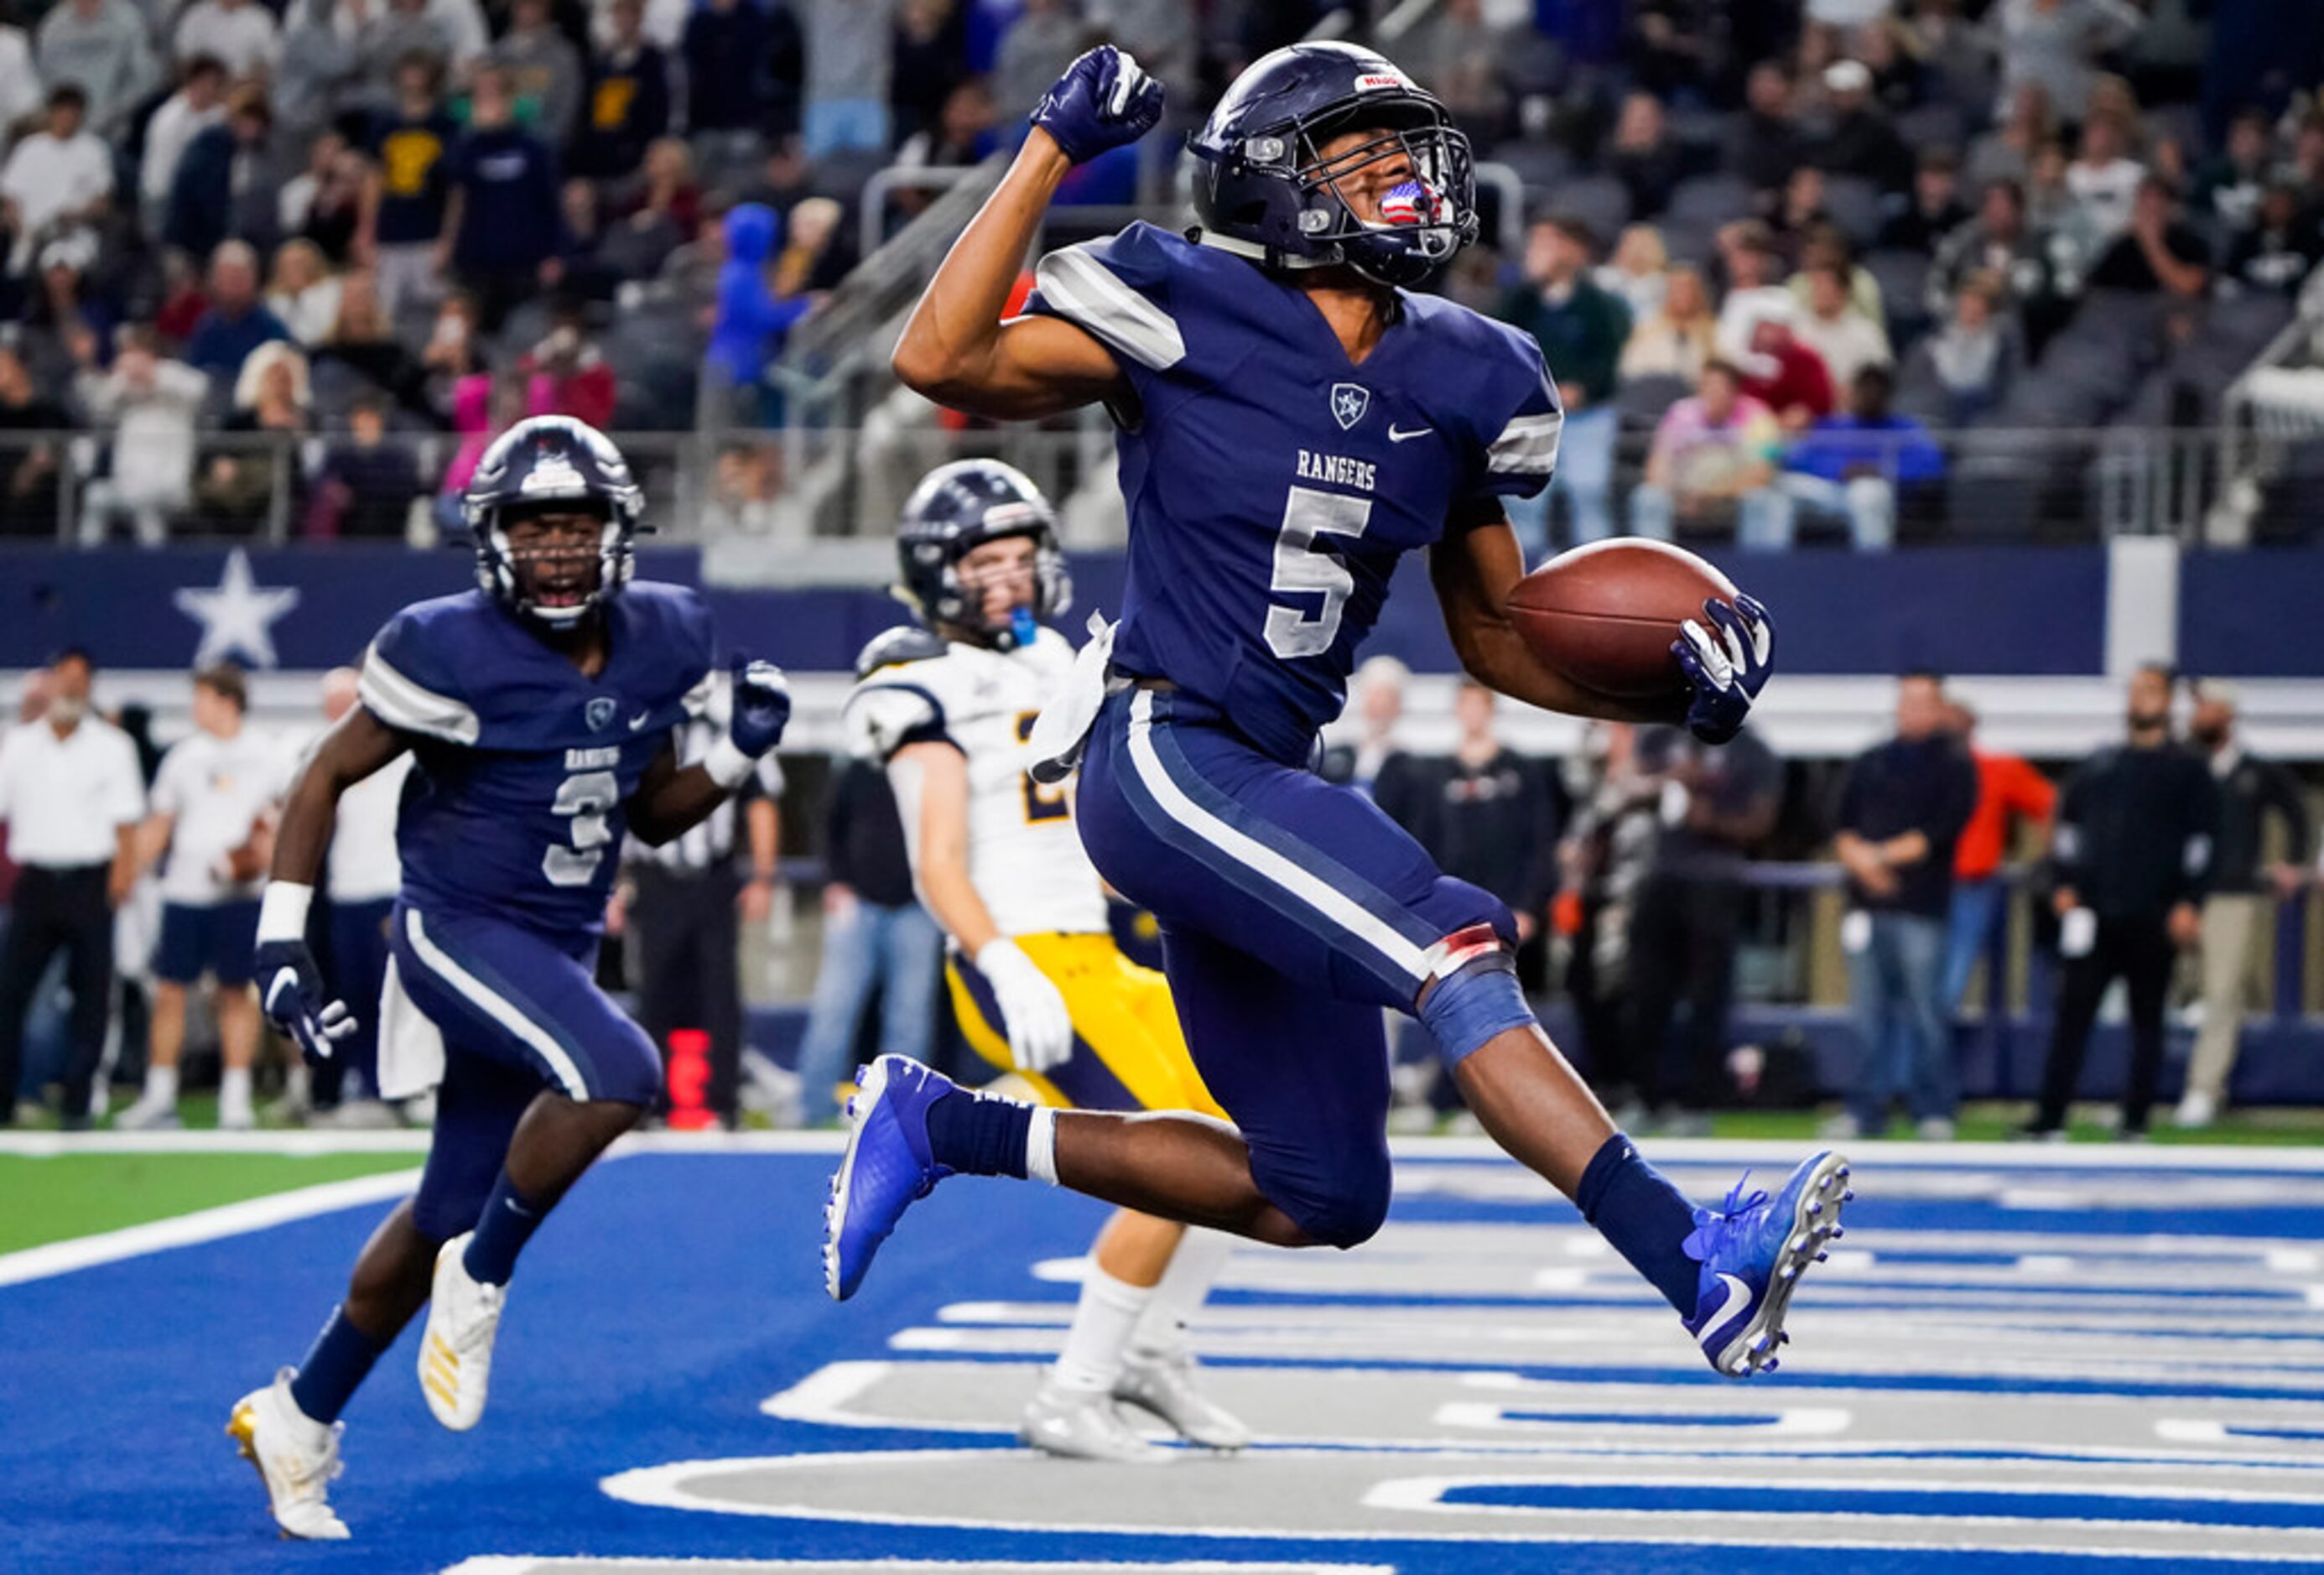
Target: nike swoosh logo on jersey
point(639, 720)
point(1395, 436)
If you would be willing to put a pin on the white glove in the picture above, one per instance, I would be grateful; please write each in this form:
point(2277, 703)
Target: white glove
point(1040, 1029)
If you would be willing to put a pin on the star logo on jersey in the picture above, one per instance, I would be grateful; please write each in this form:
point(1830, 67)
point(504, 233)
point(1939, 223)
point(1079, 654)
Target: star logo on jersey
point(238, 617)
point(600, 713)
point(1350, 400)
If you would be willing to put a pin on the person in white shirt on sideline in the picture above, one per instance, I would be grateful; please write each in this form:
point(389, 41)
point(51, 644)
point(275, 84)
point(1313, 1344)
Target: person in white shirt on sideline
point(362, 874)
point(71, 795)
point(212, 813)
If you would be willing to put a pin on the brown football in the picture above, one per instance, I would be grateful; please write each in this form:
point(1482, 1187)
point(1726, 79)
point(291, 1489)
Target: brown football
point(1604, 616)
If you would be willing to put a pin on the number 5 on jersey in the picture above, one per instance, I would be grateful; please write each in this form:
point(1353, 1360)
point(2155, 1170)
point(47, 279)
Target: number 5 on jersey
point(1301, 565)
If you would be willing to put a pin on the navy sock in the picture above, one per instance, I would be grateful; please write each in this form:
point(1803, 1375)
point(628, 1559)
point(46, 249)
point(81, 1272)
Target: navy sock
point(506, 1224)
point(1645, 1219)
point(336, 1365)
point(979, 1135)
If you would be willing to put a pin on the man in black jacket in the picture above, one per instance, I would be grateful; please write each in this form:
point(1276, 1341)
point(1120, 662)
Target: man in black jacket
point(2137, 829)
point(1900, 815)
point(2251, 789)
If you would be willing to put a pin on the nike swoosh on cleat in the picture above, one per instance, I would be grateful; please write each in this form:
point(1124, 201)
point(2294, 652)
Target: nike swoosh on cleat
point(1395, 436)
point(1737, 1292)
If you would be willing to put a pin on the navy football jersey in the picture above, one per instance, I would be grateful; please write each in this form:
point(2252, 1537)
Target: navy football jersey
point(1273, 484)
point(523, 765)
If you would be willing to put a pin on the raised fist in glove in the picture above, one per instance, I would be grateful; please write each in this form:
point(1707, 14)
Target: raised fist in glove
point(1726, 669)
point(1101, 103)
point(762, 709)
point(1040, 1029)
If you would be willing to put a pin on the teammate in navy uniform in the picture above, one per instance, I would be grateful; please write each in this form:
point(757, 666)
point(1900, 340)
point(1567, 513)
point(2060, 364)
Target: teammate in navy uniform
point(1291, 422)
point(540, 711)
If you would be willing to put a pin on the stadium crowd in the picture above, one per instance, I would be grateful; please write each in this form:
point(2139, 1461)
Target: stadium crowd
point(262, 251)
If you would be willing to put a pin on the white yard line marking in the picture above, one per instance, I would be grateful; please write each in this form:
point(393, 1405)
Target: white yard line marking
point(62, 1258)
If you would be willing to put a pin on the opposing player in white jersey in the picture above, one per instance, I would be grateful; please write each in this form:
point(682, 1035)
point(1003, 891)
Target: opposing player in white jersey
point(1037, 980)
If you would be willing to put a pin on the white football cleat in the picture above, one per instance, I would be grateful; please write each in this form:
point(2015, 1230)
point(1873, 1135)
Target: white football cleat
point(148, 1114)
point(296, 1456)
point(1082, 1424)
point(2196, 1111)
point(1165, 1385)
point(456, 1349)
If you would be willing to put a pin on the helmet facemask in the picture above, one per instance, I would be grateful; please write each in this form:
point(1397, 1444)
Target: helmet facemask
point(537, 580)
point(960, 610)
point(1424, 219)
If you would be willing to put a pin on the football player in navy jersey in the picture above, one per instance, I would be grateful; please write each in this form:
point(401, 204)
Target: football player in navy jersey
point(1291, 421)
point(540, 711)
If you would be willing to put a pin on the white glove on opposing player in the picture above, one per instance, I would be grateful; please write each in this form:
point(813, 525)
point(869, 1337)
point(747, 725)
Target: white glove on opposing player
point(1040, 1029)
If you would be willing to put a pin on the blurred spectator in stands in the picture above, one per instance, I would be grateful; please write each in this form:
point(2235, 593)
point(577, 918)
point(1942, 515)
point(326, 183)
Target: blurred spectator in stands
point(669, 202)
point(1956, 54)
point(1799, 210)
point(484, 406)
point(2103, 180)
point(404, 204)
point(2307, 167)
point(1042, 43)
point(962, 134)
point(1681, 338)
point(72, 797)
point(2138, 827)
point(2252, 790)
point(1973, 356)
point(199, 104)
point(103, 48)
point(240, 33)
point(2007, 152)
point(849, 55)
point(29, 467)
point(1900, 815)
point(1934, 210)
point(1767, 145)
point(1898, 82)
point(876, 937)
point(1461, 54)
point(1854, 465)
point(1755, 276)
point(1828, 247)
point(2278, 250)
point(814, 256)
point(928, 61)
point(2050, 205)
point(2008, 791)
point(743, 492)
point(751, 318)
point(566, 373)
point(1500, 814)
point(68, 304)
point(726, 82)
point(545, 73)
point(1581, 329)
point(2159, 254)
point(1600, 862)
point(226, 181)
point(237, 321)
point(1686, 921)
point(324, 203)
point(1638, 271)
point(241, 486)
point(1784, 375)
point(1644, 156)
point(627, 105)
point(2229, 184)
point(1844, 338)
point(304, 292)
point(362, 338)
point(2000, 245)
point(1860, 140)
point(21, 94)
point(151, 404)
point(56, 179)
point(1671, 43)
point(364, 486)
point(1712, 463)
point(1376, 701)
point(320, 70)
point(2057, 43)
point(588, 273)
point(503, 224)
point(393, 33)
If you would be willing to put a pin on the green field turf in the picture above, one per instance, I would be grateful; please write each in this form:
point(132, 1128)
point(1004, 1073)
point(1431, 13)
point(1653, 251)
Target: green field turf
point(55, 1199)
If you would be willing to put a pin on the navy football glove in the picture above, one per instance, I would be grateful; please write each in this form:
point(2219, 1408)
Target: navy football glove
point(292, 990)
point(1728, 669)
point(762, 707)
point(1103, 101)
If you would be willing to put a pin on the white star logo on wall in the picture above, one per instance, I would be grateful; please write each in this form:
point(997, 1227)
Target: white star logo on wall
point(238, 617)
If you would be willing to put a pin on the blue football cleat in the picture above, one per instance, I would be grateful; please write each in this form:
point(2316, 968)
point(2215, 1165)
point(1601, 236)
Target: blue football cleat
point(885, 1169)
point(1752, 1252)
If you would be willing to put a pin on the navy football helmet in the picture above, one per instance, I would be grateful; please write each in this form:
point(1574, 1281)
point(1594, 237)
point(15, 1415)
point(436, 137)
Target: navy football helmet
point(958, 508)
point(1261, 184)
point(552, 464)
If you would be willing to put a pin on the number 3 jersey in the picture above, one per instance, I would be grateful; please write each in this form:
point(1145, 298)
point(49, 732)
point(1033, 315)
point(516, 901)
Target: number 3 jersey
point(1024, 857)
point(523, 764)
point(1272, 483)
